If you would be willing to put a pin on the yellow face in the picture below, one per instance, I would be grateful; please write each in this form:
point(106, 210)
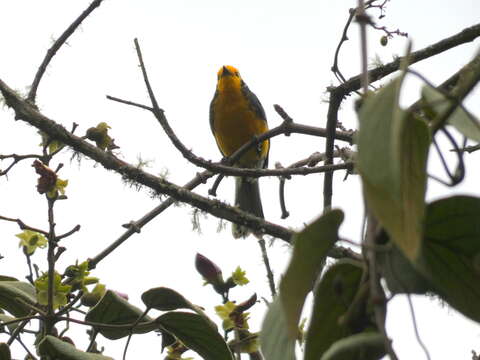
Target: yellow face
point(228, 78)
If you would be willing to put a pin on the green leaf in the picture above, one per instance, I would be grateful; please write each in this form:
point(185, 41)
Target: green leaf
point(399, 273)
point(239, 277)
point(165, 299)
point(196, 333)
point(5, 352)
point(392, 155)
point(437, 104)
point(10, 291)
point(224, 311)
point(333, 298)
point(311, 246)
point(451, 258)
point(31, 240)
point(58, 349)
point(275, 342)
point(60, 291)
point(364, 346)
point(114, 310)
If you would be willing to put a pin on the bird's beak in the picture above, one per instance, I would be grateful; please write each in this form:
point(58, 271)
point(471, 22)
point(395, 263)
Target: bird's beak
point(226, 72)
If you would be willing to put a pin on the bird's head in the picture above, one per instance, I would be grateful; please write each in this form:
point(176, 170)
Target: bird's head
point(229, 79)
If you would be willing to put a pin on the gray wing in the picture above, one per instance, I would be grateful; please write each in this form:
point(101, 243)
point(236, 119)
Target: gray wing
point(257, 107)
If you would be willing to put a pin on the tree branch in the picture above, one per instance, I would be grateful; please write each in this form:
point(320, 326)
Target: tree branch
point(287, 128)
point(337, 94)
point(24, 226)
point(16, 159)
point(56, 46)
point(466, 35)
point(27, 112)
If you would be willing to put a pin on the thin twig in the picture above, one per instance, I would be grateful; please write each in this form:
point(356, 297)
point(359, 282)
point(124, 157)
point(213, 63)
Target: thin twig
point(363, 19)
point(29, 277)
point(137, 321)
point(68, 233)
point(266, 262)
point(281, 190)
point(131, 103)
point(470, 76)
point(283, 205)
point(56, 46)
point(469, 149)
point(31, 356)
point(16, 159)
point(24, 226)
point(52, 243)
point(70, 305)
point(213, 190)
point(93, 337)
point(335, 68)
point(415, 328)
point(18, 329)
point(332, 119)
point(457, 176)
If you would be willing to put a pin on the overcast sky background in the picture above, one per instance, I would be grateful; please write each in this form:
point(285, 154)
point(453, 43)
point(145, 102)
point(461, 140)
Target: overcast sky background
point(284, 51)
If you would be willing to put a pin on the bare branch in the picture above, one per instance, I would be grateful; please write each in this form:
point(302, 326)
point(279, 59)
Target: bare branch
point(24, 226)
point(131, 103)
point(16, 159)
point(67, 234)
point(337, 94)
point(266, 261)
point(466, 35)
point(56, 46)
point(470, 149)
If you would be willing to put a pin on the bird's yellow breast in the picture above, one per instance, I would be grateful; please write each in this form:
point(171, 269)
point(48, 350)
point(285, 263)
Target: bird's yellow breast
point(234, 123)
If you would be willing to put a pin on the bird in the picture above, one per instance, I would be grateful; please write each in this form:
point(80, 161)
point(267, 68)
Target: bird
point(237, 116)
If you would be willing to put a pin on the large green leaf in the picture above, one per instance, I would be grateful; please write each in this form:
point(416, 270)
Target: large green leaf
point(196, 333)
point(333, 299)
point(392, 156)
point(165, 299)
point(115, 310)
point(275, 341)
point(14, 295)
point(311, 246)
point(58, 349)
point(364, 346)
point(451, 257)
point(437, 104)
point(399, 273)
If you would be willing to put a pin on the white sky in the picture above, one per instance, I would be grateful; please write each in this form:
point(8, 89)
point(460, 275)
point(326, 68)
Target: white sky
point(284, 51)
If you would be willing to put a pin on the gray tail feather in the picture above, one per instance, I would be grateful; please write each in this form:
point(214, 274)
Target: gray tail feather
point(247, 198)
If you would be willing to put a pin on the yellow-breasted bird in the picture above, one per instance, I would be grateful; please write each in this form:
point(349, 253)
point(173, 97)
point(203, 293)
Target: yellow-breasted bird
point(236, 116)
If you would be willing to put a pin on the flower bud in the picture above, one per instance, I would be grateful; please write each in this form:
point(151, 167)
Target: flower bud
point(247, 304)
point(209, 270)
